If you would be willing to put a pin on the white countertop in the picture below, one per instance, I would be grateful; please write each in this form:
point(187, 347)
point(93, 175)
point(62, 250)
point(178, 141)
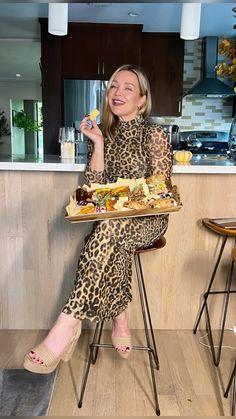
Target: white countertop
point(55, 164)
point(46, 164)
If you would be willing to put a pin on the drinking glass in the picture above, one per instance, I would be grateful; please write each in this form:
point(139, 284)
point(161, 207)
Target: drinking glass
point(67, 140)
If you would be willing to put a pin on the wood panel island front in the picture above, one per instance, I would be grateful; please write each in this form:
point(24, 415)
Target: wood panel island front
point(39, 248)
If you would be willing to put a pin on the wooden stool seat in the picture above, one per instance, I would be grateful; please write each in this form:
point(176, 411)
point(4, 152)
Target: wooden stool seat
point(158, 244)
point(219, 228)
point(222, 229)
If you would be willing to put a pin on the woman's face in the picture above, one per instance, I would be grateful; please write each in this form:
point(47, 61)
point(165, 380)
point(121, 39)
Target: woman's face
point(124, 95)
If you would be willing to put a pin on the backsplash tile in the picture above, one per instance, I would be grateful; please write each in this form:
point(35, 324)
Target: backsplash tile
point(199, 114)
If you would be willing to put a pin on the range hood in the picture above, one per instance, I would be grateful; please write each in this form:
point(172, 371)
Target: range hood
point(210, 85)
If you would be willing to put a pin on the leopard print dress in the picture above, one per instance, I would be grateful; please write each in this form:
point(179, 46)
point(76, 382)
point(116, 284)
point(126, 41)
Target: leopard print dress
point(102, 288)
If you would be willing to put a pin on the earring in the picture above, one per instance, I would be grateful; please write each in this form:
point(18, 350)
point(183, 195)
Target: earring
point(138, 107)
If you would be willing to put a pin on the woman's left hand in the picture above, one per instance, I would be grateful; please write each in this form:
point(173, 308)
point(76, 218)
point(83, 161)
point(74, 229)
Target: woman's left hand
point(92, 132)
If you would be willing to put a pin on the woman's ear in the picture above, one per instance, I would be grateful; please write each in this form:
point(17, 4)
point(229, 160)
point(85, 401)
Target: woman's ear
point(142, 101)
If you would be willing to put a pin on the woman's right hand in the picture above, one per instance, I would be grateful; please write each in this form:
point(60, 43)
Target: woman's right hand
point(93, 133)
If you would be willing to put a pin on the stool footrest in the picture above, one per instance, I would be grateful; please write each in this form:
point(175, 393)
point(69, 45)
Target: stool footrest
point(219, 292)
point(110, 346)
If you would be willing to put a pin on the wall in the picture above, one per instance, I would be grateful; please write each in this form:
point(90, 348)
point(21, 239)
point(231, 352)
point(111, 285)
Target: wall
point(16, 90)
point(199, 114)
point(39, 251)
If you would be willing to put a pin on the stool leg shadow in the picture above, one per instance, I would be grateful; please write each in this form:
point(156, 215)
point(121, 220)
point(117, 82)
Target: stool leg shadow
point(232, 382)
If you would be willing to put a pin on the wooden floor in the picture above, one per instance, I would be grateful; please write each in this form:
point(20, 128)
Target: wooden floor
point(188, 383)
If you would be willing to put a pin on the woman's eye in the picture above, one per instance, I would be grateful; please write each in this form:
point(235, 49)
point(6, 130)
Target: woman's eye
point(129, 88)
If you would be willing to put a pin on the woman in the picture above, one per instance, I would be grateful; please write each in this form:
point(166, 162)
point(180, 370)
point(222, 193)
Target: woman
point(128, 146)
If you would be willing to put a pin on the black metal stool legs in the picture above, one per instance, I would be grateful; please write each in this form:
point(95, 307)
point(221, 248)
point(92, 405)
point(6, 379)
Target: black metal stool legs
point(152, 352)
point(217, 354)
point(205, 297)
point(93, 353)
point(232, 380)
point(144, 305)
point(150, 339)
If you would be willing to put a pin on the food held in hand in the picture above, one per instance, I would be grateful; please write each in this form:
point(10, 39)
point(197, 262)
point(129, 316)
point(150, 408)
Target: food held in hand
point(93, 114)
point(123, 195)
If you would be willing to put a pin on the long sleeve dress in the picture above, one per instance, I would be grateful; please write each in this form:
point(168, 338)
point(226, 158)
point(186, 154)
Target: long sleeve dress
point(102, 288)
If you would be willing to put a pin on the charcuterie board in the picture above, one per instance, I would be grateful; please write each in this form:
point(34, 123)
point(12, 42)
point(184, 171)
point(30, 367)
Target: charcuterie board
point(127, 212)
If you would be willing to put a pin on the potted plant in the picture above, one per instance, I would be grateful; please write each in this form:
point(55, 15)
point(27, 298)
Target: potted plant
point(26, 122)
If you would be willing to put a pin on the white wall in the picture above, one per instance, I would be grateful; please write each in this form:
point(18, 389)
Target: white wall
point(16, 90)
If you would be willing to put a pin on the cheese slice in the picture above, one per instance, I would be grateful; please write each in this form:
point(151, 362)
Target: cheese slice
point(93, 114)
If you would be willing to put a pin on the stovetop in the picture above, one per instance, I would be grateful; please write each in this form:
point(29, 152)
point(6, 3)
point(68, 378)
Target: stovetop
point(204, 142)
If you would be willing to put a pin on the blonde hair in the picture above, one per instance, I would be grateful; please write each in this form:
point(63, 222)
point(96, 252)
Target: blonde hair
point(109, 120)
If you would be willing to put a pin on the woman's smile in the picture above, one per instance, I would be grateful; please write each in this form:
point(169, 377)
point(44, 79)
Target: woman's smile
point(118, 102)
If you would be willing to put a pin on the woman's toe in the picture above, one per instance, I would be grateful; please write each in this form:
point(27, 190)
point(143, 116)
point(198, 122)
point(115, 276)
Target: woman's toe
point(34, 358)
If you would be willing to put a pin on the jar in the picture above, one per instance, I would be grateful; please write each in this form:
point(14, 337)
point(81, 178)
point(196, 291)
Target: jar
point(67, 140)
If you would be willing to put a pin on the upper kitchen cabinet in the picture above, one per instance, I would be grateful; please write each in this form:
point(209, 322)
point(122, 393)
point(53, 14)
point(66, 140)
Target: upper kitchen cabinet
point(162, 58)
point(94, 51)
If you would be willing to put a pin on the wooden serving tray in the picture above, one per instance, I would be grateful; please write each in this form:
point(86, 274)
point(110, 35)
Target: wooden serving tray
point(122, 214)
point(129, 212)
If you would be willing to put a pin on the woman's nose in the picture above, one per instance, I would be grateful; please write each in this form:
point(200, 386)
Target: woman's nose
point(117, 91)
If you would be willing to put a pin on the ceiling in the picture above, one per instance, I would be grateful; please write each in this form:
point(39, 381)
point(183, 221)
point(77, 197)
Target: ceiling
point(20, 30)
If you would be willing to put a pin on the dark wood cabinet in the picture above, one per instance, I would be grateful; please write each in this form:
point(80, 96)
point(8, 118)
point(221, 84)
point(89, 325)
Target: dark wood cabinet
point(94, 51)
point(162, 58)
point(89, 51)
point(51, 64)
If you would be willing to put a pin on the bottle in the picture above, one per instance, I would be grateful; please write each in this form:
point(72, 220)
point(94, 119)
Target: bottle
point(232, 139)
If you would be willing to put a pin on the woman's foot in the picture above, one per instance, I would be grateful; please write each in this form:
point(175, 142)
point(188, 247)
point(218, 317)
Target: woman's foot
point(121, 337)
point(58, 344)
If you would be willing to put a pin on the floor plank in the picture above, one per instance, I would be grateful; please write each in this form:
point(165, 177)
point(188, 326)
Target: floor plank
point(188, 383)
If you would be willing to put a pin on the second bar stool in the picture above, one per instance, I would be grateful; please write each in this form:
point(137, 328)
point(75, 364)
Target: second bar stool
point(226, 233)
point(150, 346)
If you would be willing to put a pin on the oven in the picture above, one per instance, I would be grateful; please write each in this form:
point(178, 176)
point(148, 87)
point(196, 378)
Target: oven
point(204, 143)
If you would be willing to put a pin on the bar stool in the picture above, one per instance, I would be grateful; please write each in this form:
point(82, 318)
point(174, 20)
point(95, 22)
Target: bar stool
point(232, 381)
point(150, 346)
point(225, 232)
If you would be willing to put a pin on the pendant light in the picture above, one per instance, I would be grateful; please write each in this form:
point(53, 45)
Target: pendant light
point(190, 21)
point(58, 18)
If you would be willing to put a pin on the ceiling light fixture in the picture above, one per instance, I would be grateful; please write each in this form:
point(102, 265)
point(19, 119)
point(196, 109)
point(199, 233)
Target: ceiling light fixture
point(18, 75)
point(190, 21)
point(58, 18)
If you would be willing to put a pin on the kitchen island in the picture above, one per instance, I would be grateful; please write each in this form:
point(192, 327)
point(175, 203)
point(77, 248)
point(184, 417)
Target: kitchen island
point(39, 248)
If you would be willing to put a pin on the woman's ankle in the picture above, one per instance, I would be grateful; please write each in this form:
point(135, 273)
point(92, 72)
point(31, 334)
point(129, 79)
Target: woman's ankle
point(120, 326)
point(61, 333)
